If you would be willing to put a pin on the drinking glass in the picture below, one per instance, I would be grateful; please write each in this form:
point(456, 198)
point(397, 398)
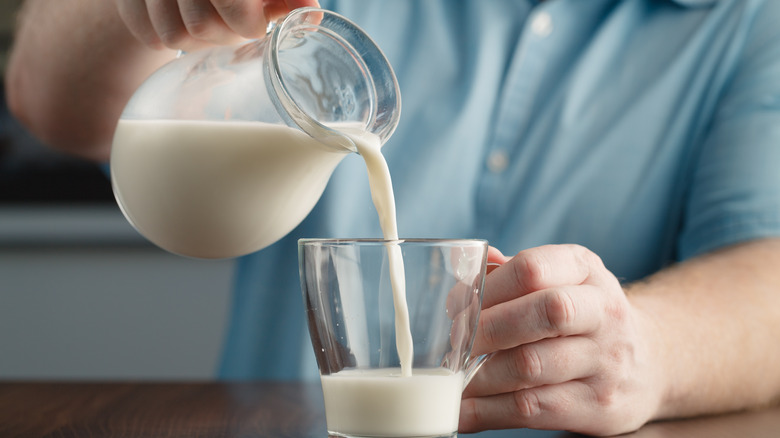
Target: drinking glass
point(348, 293)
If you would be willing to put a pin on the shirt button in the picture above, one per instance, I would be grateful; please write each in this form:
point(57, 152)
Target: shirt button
point(542, 24)
point(497, 161)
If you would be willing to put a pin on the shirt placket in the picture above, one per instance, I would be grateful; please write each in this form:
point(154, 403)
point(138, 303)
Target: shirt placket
point(512, 115)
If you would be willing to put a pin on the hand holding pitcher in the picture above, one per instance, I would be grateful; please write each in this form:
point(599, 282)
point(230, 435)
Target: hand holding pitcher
point(191, 24)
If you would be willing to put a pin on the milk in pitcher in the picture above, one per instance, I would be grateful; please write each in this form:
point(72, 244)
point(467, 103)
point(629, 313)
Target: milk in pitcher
point(205, 188)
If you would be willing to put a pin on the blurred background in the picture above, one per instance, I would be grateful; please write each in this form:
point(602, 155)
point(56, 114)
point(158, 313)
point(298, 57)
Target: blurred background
point(82, 295)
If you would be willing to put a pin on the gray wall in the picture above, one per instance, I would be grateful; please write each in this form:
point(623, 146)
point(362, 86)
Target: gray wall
point(82, 296)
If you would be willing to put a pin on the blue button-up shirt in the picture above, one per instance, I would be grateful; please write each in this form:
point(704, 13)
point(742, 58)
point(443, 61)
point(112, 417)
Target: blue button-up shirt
point(647, 131)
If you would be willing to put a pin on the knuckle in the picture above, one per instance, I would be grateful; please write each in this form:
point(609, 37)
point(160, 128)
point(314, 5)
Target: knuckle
point(590, 258)
point(532, 270)
point(618, 310)
point(198, 21)
point(616, 357)
point(173, 38)
point(527, 404)
point(620, 360)
point(608, 398)
point(577, 249)
point(230, 8)
point(610, 392)
point(489, 331)
point(558, 311)
point(586, 256)
point(527, 364)
point(199, 28)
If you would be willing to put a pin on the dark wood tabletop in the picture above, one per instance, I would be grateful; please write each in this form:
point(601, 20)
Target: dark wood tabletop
point(242, 409)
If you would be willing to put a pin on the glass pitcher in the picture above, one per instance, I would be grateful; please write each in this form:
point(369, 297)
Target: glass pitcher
point(223, 151)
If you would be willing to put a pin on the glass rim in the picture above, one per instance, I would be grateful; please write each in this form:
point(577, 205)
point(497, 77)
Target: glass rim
point(329, 241)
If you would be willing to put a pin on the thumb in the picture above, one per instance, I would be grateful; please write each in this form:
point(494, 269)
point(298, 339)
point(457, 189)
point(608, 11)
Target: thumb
point(275, 9)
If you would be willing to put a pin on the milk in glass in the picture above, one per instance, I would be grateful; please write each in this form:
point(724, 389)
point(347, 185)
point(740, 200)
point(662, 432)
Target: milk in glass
point(380, 402)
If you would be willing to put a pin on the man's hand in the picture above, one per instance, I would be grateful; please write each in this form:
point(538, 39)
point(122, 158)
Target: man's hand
point(190, 24)
point(570, 350)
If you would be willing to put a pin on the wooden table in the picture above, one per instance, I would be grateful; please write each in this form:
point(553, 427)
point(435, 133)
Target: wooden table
point(242, 409)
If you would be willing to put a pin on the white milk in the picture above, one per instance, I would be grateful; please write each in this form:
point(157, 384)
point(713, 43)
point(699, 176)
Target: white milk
point(381, 403)
point(368, 145)
point(205, 189)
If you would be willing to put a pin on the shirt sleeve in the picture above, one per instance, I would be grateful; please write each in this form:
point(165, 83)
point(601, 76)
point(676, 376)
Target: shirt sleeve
point(734, 194)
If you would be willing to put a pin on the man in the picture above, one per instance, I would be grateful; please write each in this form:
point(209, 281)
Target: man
point(641, 136)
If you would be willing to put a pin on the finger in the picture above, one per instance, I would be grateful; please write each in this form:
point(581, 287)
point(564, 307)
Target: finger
point(561, 311)
point(275, 9)
point(294, 4)
point(204, 23)
point(462, 331)
point(546, 362)
point(540, 268)
point(314, 18)
point(136, 18)
point(467, 263)
point(567, 406)
point(167, 22)
point(496, 257)
point(461, 297)
point(244, 17)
